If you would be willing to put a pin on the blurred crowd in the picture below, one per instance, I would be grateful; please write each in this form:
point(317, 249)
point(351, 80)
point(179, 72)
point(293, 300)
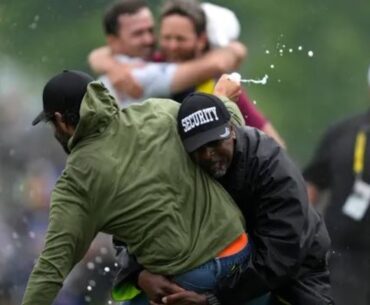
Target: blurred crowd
point(30, 163)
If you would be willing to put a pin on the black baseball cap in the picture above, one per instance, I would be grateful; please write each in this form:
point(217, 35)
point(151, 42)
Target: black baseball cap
point(63, 92)
point(202, 118)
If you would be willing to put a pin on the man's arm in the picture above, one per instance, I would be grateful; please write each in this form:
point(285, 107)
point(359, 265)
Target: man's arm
point(229, 92)
point(70, 232)
point(164, 79)
point(102, 61)
point(156, 286)
point(213, 63)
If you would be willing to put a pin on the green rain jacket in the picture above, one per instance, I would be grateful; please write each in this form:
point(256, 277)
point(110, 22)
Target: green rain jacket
point(128, 175)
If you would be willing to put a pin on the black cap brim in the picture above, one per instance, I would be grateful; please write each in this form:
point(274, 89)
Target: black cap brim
point(39, 118)
point(220, 133)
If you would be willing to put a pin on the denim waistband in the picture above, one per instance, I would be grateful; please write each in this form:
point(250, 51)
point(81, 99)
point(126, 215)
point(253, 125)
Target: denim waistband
point(225, 264)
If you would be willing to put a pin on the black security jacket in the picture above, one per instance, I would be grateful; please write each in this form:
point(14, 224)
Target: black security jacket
point(289, 237)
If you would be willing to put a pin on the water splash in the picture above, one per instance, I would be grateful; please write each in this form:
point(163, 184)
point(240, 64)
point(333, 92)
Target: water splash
point(103, 250)
point(90, 266)
point(98, 259)
point(33, 25)
point(262, 81)
point(235, 76)
point(87, 299)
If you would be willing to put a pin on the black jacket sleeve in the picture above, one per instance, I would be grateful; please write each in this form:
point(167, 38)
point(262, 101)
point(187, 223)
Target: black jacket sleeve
point(274, 202)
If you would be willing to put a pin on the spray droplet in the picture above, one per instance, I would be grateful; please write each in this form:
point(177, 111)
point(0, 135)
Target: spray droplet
point(104, 251)
point(33, 26)
point(290, 50)
point(107, 269)
point(272, 66)
point(89, 288)
point(32, 235)
point(262, 81)
point(310, 53)
point(87, 299)
point(267, 52)
point(109, 302)
point(90, 266)
point(98, 259)
point(92, 283)
point(255, 102)
point(300, 48)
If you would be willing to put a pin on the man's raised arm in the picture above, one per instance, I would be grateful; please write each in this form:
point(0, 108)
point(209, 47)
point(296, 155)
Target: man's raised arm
point(70, 232)
point(212, 64)
point(164, 79)
point(102, 61)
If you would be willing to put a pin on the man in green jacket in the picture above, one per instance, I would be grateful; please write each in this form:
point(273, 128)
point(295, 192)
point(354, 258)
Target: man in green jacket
point(127, 174)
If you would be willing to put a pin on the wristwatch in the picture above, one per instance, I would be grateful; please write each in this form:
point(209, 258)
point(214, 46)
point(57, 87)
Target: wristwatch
point(212, 299)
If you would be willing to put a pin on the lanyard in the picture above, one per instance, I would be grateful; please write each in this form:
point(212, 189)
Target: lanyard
point(359, 154)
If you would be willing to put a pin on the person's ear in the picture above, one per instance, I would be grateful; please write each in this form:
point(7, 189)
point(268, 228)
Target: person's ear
point(202, 43)
point(112, 41)
point(60, 122)
point(233, 132)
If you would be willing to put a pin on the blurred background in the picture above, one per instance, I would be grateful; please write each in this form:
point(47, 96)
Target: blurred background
point(316, 54)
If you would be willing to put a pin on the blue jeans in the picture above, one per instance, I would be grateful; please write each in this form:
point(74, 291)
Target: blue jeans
point(204, 277)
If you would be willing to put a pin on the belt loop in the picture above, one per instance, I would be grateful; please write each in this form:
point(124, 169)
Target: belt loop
point(218, 267)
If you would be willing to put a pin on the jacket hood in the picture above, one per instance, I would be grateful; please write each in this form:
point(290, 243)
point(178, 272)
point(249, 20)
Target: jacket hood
point(97, 110)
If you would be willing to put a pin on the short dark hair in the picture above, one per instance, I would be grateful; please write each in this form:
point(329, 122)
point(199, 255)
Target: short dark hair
point(187, 8)
point(121, 7)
